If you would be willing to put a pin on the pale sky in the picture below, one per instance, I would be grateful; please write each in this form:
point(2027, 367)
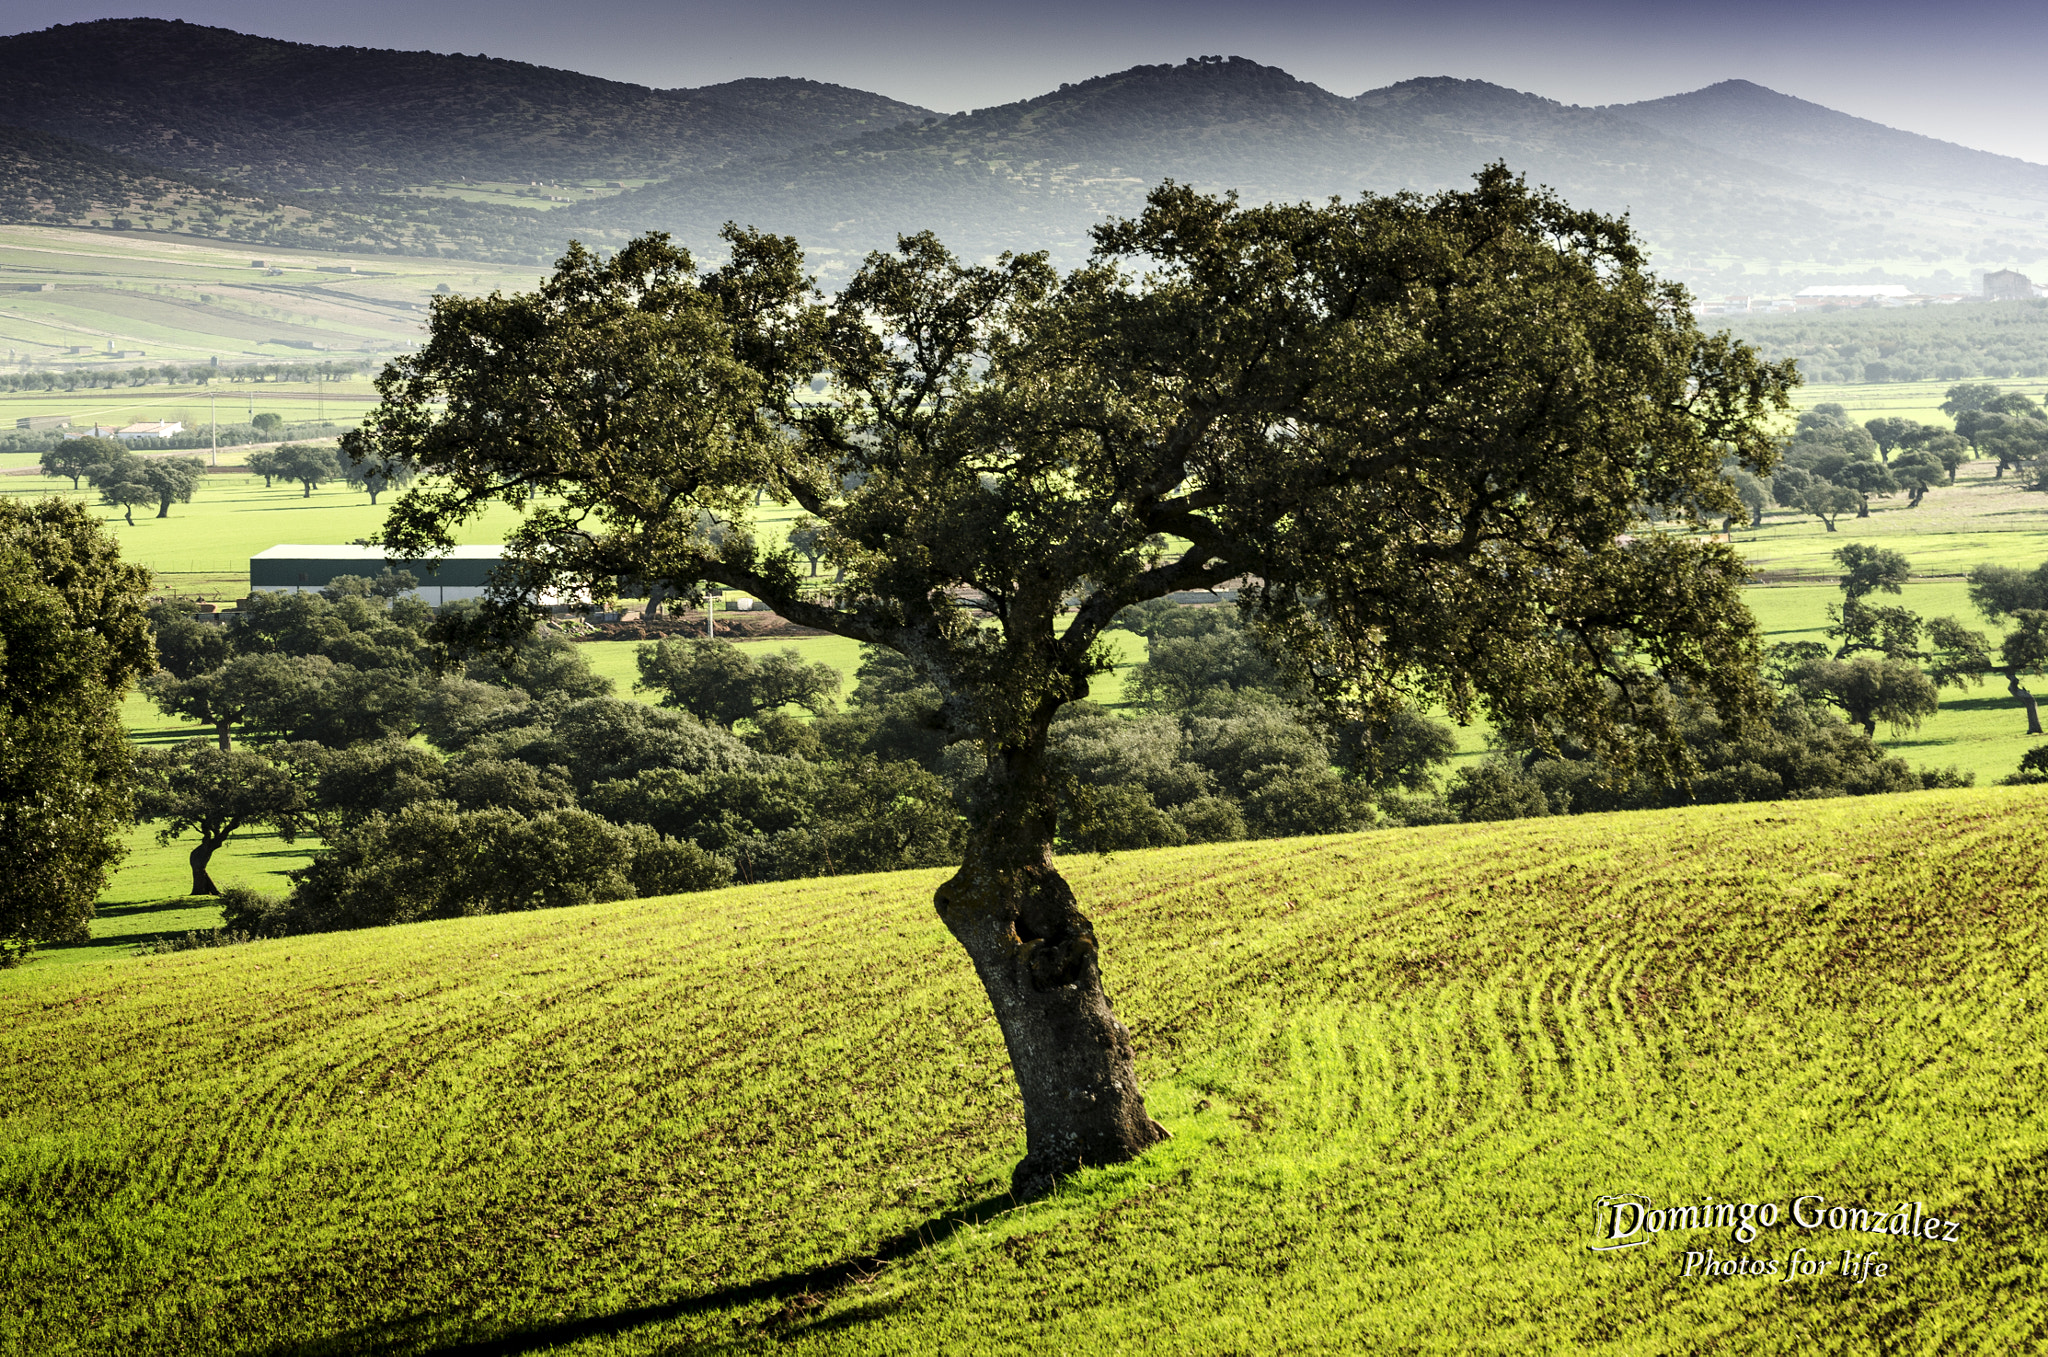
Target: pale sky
point(1967, 72)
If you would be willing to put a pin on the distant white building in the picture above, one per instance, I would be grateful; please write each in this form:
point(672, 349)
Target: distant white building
point(162, 428)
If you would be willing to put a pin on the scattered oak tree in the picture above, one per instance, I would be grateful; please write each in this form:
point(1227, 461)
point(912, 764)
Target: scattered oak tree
point(195, 786)
point(1420, 430)
point(76, 457)
point(719, 681)
point(309, 466)
point(172, 480)
point(374, 475)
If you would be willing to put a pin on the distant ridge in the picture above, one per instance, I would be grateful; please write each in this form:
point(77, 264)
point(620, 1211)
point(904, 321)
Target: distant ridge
point(1038, 173)
point(1733, 189)
point(294, 116)
point(1748, 120)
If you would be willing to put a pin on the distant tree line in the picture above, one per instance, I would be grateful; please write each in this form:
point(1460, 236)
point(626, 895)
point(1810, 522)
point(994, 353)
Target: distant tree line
point(88, 376)
point(127, 480)
point(516, 779)
point(1908, 344)
point(1882, 664)
point(1830, 466)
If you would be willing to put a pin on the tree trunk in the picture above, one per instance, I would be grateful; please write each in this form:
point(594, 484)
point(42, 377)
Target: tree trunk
point(1035, 953)
point(128, 512)
point(164, 510)
point(373, 498)
point(202, 853)
point(1830, 522)
point(309, 488)
point(1863, 509)
point(2012, 684)
point(222, 729)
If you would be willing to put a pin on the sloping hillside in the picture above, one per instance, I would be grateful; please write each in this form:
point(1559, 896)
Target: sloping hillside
point(1747, 120)
point(286, 115)
point(48, 180)
point(1038, 173)
point(1400, 1069)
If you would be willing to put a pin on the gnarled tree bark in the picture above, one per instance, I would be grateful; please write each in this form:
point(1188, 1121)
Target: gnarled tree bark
point(1035, 953)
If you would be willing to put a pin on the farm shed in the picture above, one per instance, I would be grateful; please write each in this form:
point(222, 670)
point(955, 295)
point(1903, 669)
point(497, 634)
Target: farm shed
point(463, 573)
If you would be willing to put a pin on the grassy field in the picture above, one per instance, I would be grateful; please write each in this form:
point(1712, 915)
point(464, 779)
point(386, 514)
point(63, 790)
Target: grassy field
point(1399, 1068)
point(185, 299)
point(232, 517)
point(1903, 400)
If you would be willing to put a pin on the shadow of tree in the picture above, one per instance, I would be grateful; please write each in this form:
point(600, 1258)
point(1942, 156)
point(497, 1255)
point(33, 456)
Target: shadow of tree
point(802, 1293)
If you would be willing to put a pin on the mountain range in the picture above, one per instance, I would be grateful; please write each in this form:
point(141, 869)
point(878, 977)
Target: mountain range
point(1734, 186)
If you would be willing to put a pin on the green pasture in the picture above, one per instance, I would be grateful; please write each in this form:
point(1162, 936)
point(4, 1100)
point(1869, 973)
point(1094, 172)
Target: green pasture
point(1399, 1068)
point(147, 901)
point(1958, 526)
point(185, 299)
point(1900, 400)
point(232, 517)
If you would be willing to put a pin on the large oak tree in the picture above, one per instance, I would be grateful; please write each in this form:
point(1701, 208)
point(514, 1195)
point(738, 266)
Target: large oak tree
point(1424, 433)
point(73, 637)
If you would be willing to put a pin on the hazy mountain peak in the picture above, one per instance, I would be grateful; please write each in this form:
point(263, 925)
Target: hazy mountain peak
point(1742, 118)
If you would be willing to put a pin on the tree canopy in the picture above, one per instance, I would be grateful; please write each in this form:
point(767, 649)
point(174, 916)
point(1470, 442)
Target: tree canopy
point(72, 639)
point(1420, 433)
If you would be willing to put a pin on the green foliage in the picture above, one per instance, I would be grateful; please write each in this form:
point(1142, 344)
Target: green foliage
point(387, 584)
point(76, 457)
point(432, 861)
point(172, 480)
point(1181, 671)
point(1999, 591)
point(722, 682)
point(121, 478)
point(1499, 789)
point(780, 819)
point(351, 663)
point(1870, 688)
point(72, 639)
point(1910, 344)
point(214, 792)
point(540, 664)
point(374, 474)
point(384, 776)
point(1830, 467)
point(1799, 752)
point(2033, 769)
point(309, 466)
